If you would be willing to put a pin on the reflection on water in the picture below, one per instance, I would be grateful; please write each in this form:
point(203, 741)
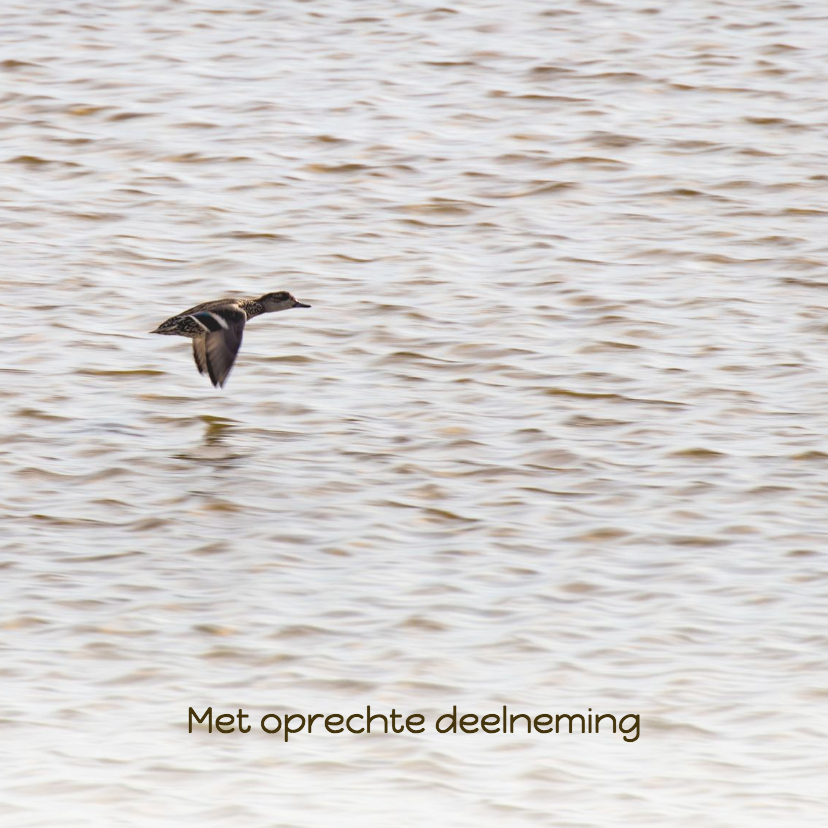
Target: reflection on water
point(217, 445)
point(552, 435)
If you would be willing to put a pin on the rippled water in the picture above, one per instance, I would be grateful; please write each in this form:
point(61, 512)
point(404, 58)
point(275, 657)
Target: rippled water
point(551, 436)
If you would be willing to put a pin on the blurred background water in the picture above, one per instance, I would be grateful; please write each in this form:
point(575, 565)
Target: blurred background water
point(552, 435)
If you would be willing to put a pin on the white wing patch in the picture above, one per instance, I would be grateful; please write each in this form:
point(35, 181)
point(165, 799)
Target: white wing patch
point(210, 321)
point(199, 323)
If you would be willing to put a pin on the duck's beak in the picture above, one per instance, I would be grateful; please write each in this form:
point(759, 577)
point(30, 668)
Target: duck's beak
point(297, 304)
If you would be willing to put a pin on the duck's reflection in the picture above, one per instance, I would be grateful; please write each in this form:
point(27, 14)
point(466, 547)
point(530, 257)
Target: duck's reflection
point(217, 445)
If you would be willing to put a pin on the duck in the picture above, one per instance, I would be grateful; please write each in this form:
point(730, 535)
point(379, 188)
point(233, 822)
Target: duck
point(216, 329)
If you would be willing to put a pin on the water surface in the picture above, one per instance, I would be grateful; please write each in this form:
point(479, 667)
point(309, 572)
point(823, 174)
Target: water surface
point(551, 436)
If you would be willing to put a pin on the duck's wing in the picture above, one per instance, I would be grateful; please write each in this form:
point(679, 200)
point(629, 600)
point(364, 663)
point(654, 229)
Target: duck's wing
point(200, 354)
point(184, 324)
point(216, 350)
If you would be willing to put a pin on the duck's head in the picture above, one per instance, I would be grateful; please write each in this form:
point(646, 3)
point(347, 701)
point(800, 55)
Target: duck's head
point(281, 300)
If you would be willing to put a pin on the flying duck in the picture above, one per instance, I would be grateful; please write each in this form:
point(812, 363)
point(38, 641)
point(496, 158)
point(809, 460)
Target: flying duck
point(216, 329)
